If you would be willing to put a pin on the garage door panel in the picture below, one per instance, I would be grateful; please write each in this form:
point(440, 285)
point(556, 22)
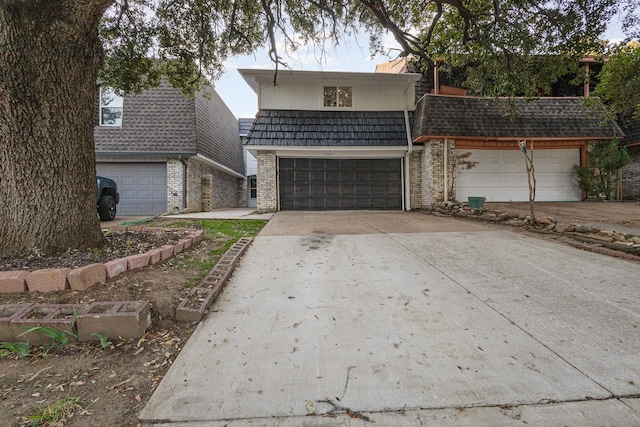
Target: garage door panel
point(500, 176)
point(317, 176)
point(332, 203)
point(142, 186)
point(348, 190)
point(340, 183)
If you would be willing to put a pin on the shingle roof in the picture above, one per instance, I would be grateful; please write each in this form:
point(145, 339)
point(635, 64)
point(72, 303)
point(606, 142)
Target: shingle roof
point(443, 116)
point(631, 129)
point(328, 128)
point(244, 125)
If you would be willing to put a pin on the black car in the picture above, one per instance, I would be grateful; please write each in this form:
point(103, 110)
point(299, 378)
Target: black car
point(108, 198)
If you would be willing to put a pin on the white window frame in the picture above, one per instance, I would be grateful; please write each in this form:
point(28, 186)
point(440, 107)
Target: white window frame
point(338, 90)
point(119, 104)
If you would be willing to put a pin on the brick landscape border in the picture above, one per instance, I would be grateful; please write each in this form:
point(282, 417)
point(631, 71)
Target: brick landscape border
point(114, 319)
point(82, 278)
point(585, 237)
point(194, 306)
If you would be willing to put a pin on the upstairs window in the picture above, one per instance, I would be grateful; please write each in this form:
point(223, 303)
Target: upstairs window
point(337, 96)
point(111, 107)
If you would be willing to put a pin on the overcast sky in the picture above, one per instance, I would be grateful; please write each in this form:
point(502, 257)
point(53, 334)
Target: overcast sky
point(352, 55)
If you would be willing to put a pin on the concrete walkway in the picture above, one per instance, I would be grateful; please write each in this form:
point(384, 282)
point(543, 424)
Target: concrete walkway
point(409, 319)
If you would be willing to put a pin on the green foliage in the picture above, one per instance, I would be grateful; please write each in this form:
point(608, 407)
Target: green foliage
point(232, 229)
point(511, 47)
point(104, 339)
point(600, 178)
point(21, 349)
point(619, 81)
point(55, 414)
point(53, 337)
point(226, 232)
point(188, 41)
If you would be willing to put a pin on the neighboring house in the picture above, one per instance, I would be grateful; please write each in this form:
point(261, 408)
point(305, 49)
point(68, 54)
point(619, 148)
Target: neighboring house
point(436, 82)
point(251, 164)
point(168, 152)
point(560, 130)
point(631, 172)
point(335, 140)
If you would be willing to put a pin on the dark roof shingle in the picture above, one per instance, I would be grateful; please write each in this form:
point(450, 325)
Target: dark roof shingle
point(631, 129)
point(287, 128)
point(444, 116)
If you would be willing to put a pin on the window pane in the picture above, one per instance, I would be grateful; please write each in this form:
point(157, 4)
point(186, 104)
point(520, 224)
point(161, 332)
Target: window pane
point(108, 98)
point(344, 97)
point(111, 116)
point(252, 188)
point(330, 96)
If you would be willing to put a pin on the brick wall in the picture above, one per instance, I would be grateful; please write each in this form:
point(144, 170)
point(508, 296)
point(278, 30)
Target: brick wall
point(415, 179)
point(226, 189)
point(631, 175)
point(432, 176)
point(209, 188)
point(267, 182)
point(195, 172)
point(174, 185)
point(451, 173)
point(243, 193)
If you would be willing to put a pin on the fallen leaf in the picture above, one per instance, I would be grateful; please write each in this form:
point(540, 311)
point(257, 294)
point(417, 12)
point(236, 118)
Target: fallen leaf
point(310, 408)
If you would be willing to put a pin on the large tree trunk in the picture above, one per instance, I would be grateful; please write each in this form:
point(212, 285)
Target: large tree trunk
point(50, 54)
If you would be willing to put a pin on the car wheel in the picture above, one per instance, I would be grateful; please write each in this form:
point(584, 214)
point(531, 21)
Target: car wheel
point(107, 208)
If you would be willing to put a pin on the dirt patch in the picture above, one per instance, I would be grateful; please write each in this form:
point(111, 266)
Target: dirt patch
point(118, 244)
point(113, 383)
point(623, 217)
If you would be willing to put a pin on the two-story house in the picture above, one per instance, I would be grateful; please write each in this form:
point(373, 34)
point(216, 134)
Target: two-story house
point(331, 140)
point(336, 140)
point(169, 152)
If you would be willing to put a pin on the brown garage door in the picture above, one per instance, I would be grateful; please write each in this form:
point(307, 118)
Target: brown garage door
point(336, 184)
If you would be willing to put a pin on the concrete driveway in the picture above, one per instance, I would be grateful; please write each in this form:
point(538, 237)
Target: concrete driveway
point(347, 318)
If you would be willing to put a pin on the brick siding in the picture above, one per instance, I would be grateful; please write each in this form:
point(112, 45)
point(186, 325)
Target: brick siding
point(415, 180)
point(209, 188)
point(432, 181)
point(631, 175)
point(243, 193)
point(174, 185)
point(267, 182)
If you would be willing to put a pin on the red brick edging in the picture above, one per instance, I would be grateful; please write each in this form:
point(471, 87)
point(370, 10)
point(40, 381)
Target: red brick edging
point(82, 278)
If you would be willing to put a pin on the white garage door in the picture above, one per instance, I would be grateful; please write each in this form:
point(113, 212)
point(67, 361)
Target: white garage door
point(142, 186)
point(501, 176)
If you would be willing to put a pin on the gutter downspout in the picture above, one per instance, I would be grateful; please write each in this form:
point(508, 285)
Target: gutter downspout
point(446, 172)
point(407, 160)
